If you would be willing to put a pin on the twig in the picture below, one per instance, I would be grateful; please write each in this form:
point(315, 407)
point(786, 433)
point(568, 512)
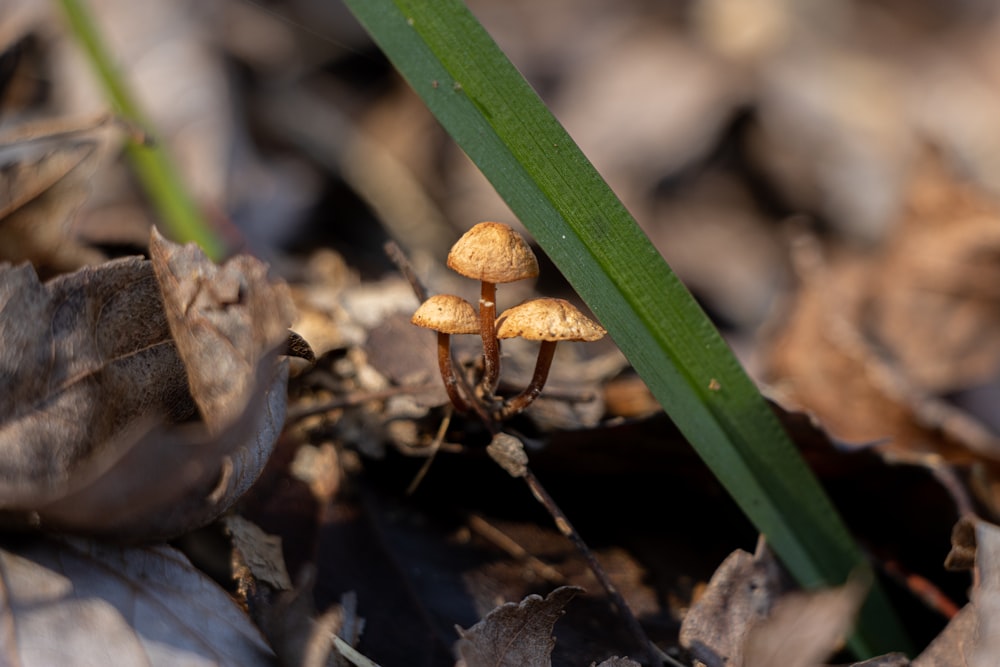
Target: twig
point(567, 529)
point(355, 398)
point(402, 262)
point(505, 542)
point(435, 447)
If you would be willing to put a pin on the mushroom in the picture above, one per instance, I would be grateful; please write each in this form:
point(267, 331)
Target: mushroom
point(550, 321)
point(448, 314)
point(492, 253)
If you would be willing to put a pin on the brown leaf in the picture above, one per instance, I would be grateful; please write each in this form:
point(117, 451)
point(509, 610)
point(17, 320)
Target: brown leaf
point(984, 647)
point(43, 182)
point(224, 319)
point(740, 593)
point(85, 358)
point(972, 638)
point(99, 374)
point(748, 617)
point(619, 662)
point(516, 635)
point(80, 602)
point(822, 362)
point(933, 296)
point(259, 551)
point(805, 627)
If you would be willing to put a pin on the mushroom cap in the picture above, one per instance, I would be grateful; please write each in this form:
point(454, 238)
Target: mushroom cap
point(448, 314)
point(493, 252)
point(547, 319)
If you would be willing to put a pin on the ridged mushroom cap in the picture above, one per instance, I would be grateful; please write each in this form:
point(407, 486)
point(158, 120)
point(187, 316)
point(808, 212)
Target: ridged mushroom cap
point(548, 319)
point(493, 252)
point(448, 314)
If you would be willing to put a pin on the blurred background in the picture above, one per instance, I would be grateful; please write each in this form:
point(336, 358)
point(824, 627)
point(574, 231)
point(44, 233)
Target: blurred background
point(823, 176)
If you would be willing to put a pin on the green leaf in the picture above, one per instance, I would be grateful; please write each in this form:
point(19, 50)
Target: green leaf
point(492, 113)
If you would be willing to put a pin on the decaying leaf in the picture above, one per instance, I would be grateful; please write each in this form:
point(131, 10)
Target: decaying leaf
point(104, 385)
point(972, 638)
point(740, 593)
point(43, 182)
point(748, 617)
point(259, 551)
point(515, 635)
point(76, 602)
point(804, 628)
point(984, 647)
point(824, 361)
point(933, 302)
point(224, 319)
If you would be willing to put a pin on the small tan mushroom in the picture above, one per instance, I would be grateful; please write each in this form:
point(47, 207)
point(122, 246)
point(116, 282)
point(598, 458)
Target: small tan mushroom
point(448, 314)
point(492, 253)
point(549, 321)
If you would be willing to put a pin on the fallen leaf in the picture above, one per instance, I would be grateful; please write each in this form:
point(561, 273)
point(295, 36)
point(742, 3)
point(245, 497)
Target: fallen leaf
point(515, 635)
point(740, 593)
point(933, 296)
point(984, 647)
point(44, 172)
point(259, 551)
point(77, 602)
point(804, 628)
point(104, 383)
point(87, 356)
point(748, 616)
point(224, 319)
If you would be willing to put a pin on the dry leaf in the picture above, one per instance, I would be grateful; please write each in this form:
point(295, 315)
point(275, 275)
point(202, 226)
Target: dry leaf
point(618, 662)
point(86, 357)
point(822, 362)
point(804, 628)
point(43, 182)
point(515, 635)
point(747, 617)
point(77, 602)
point(741, 592)
point(933, 296)
point(96, 369)
point(984, 647)
point(224, 319)
point(259, 551)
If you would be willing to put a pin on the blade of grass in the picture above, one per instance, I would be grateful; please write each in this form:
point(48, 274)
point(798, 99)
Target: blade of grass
point(156, 172)
point(492, 113)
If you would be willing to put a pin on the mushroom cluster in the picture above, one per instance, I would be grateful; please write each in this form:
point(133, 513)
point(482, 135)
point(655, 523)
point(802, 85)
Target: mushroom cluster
point(493, 253)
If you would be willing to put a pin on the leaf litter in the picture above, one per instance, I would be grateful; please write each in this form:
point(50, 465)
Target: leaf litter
point(163, 397)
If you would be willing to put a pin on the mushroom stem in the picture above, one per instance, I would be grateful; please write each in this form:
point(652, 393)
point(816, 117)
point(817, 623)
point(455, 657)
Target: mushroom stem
point(516, 404)
point(491, 345)
point(448, 373)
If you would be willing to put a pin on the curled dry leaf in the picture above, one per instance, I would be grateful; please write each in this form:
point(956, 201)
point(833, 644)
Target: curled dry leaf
point(741, 593)
point(972, 637)
point(748, 617)
point(515, 634)
point(44, 171)
point(106, 368)
point(78, 602)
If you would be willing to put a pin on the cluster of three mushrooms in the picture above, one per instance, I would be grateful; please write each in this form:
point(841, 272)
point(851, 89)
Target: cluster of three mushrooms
point(493, 253)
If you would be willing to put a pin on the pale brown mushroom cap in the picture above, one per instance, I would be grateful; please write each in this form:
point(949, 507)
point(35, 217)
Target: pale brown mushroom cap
point(448, 314)
point(493, 252)
point(548, 319)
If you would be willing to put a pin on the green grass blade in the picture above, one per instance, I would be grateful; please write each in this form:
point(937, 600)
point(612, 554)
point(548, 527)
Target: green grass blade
point(156, 172)
point(492, 113)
